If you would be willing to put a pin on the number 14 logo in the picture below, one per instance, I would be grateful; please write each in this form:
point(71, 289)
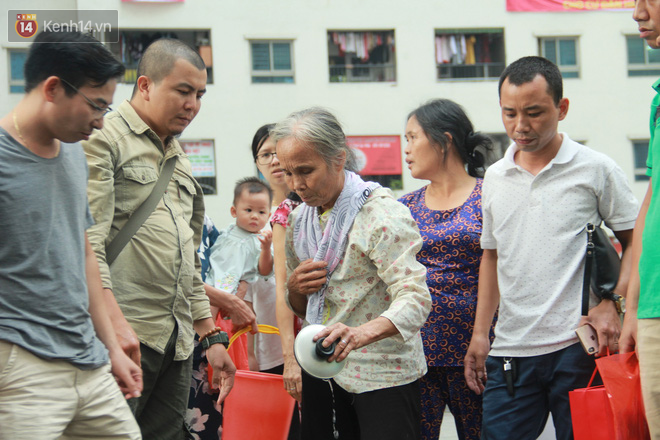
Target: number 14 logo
point(26, 25)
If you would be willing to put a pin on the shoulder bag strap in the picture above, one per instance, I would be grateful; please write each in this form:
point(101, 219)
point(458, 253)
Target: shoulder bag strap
point(141, 213)
point(586, 283)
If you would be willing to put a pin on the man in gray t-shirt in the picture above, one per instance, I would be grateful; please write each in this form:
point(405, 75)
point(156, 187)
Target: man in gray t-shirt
point(56, 339)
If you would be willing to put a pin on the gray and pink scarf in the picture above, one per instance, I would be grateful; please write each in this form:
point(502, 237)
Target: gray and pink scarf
point(329, 244)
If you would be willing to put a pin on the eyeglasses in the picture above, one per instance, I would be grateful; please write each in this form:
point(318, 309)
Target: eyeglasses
point(266, 158)
point(98, 110)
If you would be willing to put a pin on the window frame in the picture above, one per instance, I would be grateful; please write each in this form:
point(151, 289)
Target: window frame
point(272, 73)
point(563, 68)
point(15, 82)
point(644, 69)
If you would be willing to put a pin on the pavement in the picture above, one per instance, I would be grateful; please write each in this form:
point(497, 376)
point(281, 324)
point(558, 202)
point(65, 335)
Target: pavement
point(448, 429)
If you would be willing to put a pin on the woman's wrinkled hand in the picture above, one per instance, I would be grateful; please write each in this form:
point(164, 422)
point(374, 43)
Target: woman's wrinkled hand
point(348, 339)
point(308, 277)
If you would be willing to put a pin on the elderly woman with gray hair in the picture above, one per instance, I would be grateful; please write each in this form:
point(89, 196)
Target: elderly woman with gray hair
point(351, 262)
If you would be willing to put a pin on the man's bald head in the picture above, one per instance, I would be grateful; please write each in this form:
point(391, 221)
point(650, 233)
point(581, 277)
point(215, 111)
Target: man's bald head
point(159, 58)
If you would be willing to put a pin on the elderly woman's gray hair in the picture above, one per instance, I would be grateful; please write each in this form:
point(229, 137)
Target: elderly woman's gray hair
point(317, 128)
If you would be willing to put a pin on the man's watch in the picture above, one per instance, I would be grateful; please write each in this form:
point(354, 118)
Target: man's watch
point(218, 338)
point(618, 300)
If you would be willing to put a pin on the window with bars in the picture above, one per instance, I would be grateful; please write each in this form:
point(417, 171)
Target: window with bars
point(640, 153)
point(469, 54)
point(361, 56)
point(17, 59)
point(563, 51)
point(642, 60)
point(272, 61)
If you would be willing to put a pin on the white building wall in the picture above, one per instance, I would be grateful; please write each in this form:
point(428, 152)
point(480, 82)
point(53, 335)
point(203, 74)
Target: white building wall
point(607, 108)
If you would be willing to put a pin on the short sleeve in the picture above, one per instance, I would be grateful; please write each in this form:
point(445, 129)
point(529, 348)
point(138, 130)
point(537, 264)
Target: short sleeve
point(487, 239)
point(281, 214)
point(617, 205)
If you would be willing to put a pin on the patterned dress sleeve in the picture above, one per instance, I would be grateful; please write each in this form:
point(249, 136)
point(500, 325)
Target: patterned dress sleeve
point(281, 214)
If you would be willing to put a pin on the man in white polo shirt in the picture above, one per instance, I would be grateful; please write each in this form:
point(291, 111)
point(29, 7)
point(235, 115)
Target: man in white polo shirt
point(536, 204)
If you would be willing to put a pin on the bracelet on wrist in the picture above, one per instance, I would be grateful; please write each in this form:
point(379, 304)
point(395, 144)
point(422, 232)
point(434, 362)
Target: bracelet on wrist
point(209, 333)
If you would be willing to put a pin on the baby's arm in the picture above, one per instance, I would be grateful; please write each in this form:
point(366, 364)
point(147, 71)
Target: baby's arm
point(266, 256)
point(241, 290)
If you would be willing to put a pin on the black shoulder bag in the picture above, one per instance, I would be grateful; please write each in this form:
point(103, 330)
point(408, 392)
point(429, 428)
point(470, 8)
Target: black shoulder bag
point(602, 267)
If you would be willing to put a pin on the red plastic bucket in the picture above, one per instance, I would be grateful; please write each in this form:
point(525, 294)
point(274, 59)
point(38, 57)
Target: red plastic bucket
point(257, 408)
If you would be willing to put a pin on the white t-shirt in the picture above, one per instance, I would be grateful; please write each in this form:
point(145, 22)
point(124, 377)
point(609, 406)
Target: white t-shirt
point(268, 347)
point(262, 294)
point(537, 224)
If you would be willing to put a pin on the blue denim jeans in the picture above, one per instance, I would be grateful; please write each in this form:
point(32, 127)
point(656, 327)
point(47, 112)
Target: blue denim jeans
point(541, 387)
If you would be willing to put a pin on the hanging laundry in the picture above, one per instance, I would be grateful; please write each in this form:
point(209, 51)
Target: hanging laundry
point(350, 42)
point(446, 50)
point(360, 48)
point(455, 46)
point(469, 50)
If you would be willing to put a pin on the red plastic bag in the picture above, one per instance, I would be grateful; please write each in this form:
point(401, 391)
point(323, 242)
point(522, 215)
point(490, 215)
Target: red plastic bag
point(613, 411)
point(620, 373)
point(591, 413)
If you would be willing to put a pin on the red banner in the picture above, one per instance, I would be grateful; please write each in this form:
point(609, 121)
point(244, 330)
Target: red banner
point(377, 155)
point(568, 5)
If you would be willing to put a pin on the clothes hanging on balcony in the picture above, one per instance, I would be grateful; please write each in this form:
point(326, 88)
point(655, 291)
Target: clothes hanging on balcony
point(443, 51)
point(360, 43)
point(469, 49)
point(449, 49)
point(350, 42)
point(462, 49)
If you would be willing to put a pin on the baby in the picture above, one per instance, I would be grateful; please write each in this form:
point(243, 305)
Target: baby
point(242, 252)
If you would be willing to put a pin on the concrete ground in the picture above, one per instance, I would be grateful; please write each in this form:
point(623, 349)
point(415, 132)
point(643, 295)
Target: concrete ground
point(448, 430)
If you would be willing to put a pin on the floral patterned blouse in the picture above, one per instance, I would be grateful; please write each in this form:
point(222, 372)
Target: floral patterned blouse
point(378, 276)
point(451, 254)
point(281, 214)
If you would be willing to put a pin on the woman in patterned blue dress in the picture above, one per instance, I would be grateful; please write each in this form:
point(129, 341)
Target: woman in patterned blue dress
point(443, 148)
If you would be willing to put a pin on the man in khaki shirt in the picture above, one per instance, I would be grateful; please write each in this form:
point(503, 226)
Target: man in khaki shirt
point(156, 279)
